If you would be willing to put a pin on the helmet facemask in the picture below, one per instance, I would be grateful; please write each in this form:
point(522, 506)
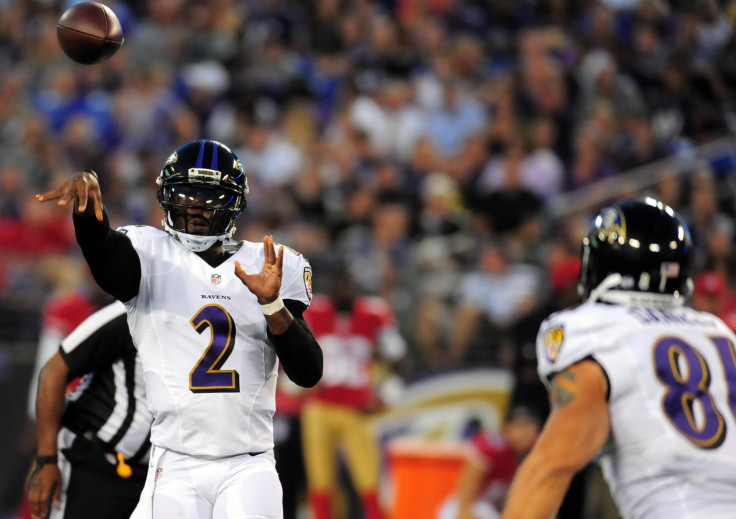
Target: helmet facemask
point(198, 214)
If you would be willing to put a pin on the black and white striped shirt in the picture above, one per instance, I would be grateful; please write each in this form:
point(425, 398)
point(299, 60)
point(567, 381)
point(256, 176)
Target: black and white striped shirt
point(109, 402)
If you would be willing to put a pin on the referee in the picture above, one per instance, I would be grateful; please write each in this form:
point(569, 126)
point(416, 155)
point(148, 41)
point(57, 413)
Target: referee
point(92, 452)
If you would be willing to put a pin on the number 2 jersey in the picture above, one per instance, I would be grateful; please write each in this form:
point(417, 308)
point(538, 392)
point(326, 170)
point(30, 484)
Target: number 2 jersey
point(209, 367)
point(672, 403)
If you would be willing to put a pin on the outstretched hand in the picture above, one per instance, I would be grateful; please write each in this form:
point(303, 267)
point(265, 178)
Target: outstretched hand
point(266, 285)
point(82, 186)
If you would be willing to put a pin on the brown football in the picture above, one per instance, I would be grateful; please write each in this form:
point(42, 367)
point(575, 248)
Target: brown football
point(89, 32)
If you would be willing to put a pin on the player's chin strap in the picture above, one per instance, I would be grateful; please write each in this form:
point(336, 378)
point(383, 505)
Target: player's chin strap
point(194, 242)
point(605, 293)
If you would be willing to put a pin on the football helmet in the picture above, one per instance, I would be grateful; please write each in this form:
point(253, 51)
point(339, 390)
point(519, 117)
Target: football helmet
point(202, 190)
point(637, 252)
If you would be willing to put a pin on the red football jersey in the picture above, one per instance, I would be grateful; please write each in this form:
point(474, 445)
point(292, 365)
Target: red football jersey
point(491, 451)
point(349, 342)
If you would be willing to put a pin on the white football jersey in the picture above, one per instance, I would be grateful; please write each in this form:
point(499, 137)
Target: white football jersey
point(209, 367)
point(672, 403)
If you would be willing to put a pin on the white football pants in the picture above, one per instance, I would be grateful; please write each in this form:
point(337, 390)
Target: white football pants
point(183, 487)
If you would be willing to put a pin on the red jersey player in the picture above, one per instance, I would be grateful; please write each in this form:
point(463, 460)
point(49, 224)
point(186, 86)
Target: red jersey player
point(492, 459)
point(355, 333)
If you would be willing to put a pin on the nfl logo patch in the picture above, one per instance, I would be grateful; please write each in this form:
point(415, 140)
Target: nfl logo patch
point(215, 279)
point(553, 339)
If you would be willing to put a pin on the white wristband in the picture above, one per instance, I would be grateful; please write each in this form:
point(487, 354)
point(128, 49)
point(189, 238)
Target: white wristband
point(272, 307)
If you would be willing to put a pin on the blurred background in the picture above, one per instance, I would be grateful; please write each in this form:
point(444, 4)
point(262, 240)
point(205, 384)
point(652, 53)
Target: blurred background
point(446, 154)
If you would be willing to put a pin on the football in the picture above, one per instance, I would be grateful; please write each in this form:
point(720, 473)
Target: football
point(89, 32)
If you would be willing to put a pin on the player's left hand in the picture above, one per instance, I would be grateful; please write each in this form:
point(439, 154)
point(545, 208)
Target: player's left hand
point(266, 285)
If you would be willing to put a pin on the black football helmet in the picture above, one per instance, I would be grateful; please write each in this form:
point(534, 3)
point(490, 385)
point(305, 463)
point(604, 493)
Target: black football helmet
point(202, 190)
point(637, 250)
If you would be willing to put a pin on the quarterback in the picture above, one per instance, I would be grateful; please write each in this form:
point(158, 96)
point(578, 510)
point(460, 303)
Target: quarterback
point(211, 318)
point(637, 379)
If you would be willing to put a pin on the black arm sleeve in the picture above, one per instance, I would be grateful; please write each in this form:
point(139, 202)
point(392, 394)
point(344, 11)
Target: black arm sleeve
point(297, 348)
point(111, 257)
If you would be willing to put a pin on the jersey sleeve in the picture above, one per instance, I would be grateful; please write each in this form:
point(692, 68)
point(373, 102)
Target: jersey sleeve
point(146, 242)
point(140, 236)
point(296, 283)
point(96, 343)
point(568, 337)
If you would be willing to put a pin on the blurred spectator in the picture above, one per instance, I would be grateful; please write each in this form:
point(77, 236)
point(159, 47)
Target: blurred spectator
point(669, 188)
point(712, 293)
point(682, 108)
point(648, 54)
point(457, 118)
point(37, 231)
point(145, 108)
point(543, 171)
point(511, 208)
point(205, 84)
point(378, 253)
point(600, 78)
point(528, 162)
point(12, 190)
point(636, 145)
point(590, 163)
point(713, 29)
point(492, 297)
point(273, 160)
point(159, 34)
point(390, 119)
point(440, 252)
point(711, 228)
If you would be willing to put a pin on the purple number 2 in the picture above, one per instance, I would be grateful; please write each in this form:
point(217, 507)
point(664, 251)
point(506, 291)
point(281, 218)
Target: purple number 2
point(207, 375)
point(686, 376)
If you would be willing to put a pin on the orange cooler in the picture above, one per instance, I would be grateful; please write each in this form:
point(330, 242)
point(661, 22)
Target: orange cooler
point(423, 474)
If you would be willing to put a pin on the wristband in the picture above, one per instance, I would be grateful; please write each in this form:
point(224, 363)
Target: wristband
point(272, 307)
point(46, 460)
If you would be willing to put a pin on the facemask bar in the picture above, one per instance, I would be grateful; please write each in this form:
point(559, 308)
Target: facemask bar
point(218, 205)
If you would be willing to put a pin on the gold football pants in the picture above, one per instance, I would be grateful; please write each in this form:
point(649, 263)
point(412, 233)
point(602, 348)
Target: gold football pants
point(327, 428)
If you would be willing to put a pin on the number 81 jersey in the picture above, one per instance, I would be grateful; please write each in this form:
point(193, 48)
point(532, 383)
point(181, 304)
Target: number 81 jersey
point(209, 368)
point(672, 403)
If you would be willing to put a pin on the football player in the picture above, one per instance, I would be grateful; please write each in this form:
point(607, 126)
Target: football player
point(491, 460)
point(211, 318)
point(636, 378)
point(360, 338)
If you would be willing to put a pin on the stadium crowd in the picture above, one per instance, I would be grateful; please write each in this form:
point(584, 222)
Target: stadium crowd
point(428, 146)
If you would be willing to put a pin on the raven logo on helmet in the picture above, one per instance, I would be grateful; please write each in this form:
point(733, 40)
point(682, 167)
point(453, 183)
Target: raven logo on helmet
point(613, 226)
point(172, 158)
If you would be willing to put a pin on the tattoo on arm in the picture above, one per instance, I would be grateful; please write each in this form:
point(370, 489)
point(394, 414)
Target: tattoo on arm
point(560, 394)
